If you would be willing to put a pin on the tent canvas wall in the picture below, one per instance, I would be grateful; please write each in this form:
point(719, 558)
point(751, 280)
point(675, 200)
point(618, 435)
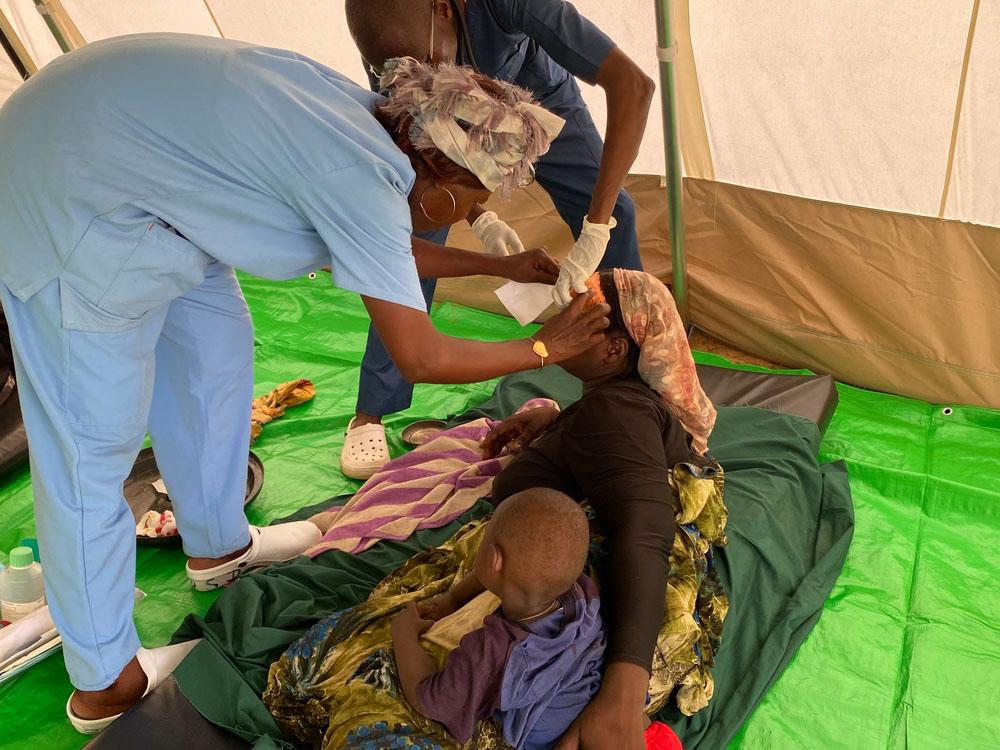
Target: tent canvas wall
point(842, 167)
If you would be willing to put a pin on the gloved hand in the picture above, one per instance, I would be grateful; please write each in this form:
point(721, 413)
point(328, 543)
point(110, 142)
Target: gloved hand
point(496, 236)
point(583, 260)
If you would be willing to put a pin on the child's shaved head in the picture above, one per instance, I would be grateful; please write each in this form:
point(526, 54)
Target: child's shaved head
point(543, 536)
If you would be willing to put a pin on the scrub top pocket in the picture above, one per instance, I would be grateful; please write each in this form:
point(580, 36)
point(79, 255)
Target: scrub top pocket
point(122, 272)
point(163, 267)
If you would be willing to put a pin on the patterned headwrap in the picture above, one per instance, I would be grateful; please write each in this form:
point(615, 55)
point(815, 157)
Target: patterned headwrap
point(498, 140)
point(665, 363)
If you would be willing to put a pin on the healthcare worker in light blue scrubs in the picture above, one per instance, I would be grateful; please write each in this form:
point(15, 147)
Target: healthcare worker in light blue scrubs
point(543, 46)
point(135, 175)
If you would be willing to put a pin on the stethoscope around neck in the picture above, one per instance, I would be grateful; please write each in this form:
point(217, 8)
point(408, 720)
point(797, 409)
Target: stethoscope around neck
point(468, 56)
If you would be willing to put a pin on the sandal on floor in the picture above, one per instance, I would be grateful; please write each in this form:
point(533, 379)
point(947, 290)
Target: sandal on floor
point(365, 450)
point(268, 544)
point(157, 663)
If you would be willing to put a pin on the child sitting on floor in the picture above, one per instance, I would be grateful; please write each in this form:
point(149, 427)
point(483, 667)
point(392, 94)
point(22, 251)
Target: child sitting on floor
point(536, 662)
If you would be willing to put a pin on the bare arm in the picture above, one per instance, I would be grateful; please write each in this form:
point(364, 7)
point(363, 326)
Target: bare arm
point(629, 93)
point(425, 355)
point(413, 664)
point(442, 262)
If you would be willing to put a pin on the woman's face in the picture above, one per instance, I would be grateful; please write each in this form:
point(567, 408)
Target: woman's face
point(441, 204)
point(607, 357)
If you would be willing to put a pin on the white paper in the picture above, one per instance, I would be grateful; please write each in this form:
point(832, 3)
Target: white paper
point(24, 634)
point(525, 301)
point(160, 487)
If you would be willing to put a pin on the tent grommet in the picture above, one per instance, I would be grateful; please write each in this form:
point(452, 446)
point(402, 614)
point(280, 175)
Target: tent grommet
point(947, 411)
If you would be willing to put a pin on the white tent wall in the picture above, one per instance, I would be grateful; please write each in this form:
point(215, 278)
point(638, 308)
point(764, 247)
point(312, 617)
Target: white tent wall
point(9, 78)
point(816, 139)
point(316, 28)
point(100, 19)
point(852, 103)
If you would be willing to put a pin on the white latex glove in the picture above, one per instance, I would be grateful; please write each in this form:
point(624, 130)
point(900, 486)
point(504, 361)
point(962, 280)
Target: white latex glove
point(583, 260)
point(496, 236)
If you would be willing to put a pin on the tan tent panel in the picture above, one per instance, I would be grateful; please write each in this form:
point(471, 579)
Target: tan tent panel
point(873, 301)
point(822, 144)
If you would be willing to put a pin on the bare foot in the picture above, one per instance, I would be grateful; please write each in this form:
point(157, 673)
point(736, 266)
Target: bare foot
point(120, 696)
point(360, 419)
point(203, 563)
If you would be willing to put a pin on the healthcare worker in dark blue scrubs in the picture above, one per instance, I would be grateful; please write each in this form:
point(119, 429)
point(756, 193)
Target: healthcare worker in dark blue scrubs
point(543, 46)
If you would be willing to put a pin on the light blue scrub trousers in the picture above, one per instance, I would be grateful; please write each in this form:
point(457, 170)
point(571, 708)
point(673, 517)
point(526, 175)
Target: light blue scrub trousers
point(185, 372)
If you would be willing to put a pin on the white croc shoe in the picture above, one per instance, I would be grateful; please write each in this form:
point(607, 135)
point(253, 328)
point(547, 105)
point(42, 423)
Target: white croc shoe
point(365, 450)
point(268, 544)
point(157, 663)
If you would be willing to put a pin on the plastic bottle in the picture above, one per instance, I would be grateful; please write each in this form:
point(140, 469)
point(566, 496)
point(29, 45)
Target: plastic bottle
point(21, 591)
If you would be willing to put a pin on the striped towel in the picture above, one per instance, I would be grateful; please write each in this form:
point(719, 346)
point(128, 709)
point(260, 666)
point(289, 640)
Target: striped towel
point(425, 489)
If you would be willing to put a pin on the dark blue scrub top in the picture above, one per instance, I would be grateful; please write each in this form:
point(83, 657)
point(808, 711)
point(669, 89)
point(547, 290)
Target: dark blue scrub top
point(537, 44)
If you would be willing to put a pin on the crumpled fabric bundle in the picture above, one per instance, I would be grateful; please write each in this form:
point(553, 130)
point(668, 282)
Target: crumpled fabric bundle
point(156, 525)
point(272, 405)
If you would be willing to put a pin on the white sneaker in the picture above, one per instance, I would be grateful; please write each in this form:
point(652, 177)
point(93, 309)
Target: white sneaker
point(365, 450)
point(268, 544)
point(157, 663)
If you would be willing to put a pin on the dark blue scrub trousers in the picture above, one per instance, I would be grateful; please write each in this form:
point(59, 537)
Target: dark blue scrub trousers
point(568, 173)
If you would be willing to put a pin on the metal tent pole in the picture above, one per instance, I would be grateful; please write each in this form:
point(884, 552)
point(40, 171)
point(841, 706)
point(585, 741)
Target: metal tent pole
point(55, 28)
point(666, 50)
point(15, 50)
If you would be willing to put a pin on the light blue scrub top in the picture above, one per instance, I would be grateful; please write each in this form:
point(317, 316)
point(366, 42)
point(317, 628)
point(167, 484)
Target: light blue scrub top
point(260, 158)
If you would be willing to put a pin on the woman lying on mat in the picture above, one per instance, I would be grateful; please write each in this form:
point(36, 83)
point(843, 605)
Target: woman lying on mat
point(634, 447)
point(642, 414)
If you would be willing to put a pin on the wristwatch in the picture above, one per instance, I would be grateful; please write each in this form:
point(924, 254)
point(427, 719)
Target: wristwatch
point(539, 348)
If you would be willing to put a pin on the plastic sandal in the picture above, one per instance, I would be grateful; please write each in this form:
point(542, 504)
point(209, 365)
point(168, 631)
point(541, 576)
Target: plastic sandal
point(365, 450)
point(268, 544)
point(157, 663)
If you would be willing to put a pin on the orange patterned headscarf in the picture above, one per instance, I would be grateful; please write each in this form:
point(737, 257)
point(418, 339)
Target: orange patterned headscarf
point(665, 362)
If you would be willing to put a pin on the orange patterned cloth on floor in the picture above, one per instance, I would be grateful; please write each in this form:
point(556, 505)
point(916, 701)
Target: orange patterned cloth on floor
point(272, 405)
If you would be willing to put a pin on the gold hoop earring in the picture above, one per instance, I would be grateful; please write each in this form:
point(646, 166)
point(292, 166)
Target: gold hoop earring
point(454, 206)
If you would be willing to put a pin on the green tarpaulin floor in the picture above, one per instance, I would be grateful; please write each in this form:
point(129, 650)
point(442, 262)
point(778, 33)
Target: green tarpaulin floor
point(906, 654)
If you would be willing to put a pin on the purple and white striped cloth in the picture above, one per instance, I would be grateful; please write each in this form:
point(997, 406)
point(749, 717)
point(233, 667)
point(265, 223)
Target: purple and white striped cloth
point(425, 489)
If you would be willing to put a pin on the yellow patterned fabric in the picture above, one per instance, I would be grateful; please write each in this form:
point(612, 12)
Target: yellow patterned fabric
point(696, 603)
point(337, 688)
